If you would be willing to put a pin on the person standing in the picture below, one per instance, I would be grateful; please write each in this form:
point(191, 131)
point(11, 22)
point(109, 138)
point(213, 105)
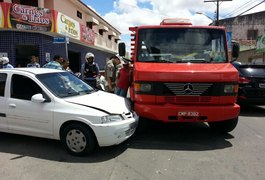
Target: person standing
point(33, 63)
point(123, 80)
point(56, 63)
point(112, 69)
point(90, 70)
point(4, 63)
point(65, 65)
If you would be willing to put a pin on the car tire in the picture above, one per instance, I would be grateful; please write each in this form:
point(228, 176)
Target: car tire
point(224, 126)
point(78, 139)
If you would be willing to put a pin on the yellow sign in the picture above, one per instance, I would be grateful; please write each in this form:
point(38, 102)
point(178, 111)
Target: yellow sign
point(68, 26)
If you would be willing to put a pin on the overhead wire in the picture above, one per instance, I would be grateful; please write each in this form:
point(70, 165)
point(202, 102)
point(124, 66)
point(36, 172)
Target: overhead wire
point(243, 7)
point(251, 8)
point(239, 8)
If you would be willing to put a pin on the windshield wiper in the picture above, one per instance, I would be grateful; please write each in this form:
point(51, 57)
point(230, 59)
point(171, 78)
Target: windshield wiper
point(194, 60)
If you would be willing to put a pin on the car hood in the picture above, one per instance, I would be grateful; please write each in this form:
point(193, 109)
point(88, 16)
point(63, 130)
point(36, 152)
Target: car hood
point(103, 101)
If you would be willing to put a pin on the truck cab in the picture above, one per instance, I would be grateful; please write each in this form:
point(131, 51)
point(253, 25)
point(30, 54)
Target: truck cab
point(182, 73)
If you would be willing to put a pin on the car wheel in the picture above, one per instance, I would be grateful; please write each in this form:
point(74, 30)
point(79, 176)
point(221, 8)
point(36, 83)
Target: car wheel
point(223, 126)
point(78, 139)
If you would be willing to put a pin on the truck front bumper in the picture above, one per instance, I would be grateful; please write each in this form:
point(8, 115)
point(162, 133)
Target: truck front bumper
point(187, 113)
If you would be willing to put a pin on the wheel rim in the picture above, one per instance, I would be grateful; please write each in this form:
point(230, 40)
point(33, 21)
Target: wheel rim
point(76, 140)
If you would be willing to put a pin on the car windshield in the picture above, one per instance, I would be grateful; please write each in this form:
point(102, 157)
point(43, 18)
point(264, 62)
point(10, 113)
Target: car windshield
point(181, 45)
point(64, 84)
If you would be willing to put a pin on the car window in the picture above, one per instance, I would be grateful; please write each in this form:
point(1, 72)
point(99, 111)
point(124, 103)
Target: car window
point(2, 83)
point(23, 87)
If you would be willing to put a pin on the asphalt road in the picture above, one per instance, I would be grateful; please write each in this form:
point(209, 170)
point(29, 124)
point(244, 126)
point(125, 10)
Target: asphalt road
point(161, 152)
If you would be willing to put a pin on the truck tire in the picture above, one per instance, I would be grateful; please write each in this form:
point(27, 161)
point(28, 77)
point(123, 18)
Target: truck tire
point(223, 126)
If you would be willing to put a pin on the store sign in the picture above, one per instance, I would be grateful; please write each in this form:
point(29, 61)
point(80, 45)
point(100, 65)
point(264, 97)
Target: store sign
point(68, 26)
point(87, 35)
point(59, 40)
point(260, 46)
point(1, 16)
point(30, 18)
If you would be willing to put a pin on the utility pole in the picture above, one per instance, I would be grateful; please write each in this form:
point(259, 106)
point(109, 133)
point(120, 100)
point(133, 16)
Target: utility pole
point(217, 9)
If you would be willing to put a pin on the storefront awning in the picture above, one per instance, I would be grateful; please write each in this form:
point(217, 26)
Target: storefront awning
point(118, 38)
point(93, 20)
point(103, 28)
point(112, 33)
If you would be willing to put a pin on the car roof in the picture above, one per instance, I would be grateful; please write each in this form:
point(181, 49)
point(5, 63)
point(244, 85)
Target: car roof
point(32, 70)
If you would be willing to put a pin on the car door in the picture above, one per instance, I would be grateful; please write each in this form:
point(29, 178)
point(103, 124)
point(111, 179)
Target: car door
point(25, 116)
point(3, 121)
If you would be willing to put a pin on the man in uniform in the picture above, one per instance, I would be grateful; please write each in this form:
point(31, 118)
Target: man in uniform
point(112, 69)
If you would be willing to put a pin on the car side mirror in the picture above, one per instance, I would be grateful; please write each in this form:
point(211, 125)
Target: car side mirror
point(122, 49)
point(235, 50)
point(38, 98)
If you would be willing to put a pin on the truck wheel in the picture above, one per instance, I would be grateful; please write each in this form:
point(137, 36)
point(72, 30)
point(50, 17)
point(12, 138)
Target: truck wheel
point(78, 139)
point(224, 126)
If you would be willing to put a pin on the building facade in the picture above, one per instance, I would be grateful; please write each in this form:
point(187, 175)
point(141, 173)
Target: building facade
point(246, 29)
point(45, 28)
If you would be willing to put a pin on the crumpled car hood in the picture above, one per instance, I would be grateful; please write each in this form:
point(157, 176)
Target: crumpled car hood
point(101, 100)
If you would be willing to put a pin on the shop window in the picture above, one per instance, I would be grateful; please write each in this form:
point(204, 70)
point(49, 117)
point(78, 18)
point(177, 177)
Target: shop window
point(100, 31)
point(89, 24)
point(252, 34)
point(79, 14)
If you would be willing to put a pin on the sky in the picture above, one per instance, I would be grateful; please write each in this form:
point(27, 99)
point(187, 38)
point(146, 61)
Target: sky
point(122, 14)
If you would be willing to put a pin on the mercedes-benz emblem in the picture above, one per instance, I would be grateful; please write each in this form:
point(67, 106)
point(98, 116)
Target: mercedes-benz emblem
point(188, 88)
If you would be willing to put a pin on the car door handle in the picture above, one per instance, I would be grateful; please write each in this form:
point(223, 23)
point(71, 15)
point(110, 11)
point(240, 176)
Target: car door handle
point(12, 105)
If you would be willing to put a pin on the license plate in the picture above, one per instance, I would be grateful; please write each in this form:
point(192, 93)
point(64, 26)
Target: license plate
point(262, 85)
point(188, 113)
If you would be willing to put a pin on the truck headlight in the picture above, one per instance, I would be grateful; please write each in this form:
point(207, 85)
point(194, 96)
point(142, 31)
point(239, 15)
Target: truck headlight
point(231, 88)
point(142, 87)
point(111, 118)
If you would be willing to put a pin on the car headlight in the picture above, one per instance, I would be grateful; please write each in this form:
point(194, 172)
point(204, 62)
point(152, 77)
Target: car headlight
point(231, 88)
point(111, 118)
point(142, 87)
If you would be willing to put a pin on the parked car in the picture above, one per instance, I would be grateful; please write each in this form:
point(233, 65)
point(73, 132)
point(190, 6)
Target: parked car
point(56, 104)
point(251, 84)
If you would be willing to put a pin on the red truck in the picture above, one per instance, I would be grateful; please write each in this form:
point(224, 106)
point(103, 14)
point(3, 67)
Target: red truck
point(182, 73)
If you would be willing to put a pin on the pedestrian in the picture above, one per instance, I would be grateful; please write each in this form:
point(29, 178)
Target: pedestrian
point(123, 80)
point(4, 63)
point(56, 63)
point(102, 80)
point(90, 70)
point(33, 62)
point(112, 68)
point(65, 65)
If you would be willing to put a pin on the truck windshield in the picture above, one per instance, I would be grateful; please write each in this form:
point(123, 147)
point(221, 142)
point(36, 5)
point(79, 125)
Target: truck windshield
point(181, 45)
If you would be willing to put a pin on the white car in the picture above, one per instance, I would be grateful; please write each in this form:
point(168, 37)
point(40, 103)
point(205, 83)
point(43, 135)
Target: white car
point(56, 104)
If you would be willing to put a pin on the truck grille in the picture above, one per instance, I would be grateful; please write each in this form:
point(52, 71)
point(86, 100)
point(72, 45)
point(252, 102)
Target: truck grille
point(188, 99)
point(187, 89)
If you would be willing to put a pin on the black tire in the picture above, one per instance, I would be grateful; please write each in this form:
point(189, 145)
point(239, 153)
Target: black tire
point(223, 126)
point(78, 139)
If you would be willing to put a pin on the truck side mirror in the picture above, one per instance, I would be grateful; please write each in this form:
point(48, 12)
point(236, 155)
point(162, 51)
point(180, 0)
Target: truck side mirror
point(122, 49)
point(235, 49)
